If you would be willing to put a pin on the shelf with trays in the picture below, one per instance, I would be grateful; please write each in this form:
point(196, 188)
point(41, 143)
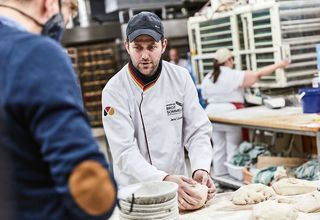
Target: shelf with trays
point(276, 29)
point(95, 65)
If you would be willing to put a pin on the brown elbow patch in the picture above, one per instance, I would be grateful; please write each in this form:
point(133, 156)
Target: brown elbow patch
point(91, 188)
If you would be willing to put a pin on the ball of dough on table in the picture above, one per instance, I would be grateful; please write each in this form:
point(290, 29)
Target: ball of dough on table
point(201, 191)
point(309, 202)
point(293, 186)
point(272, 210)
point(252, 194)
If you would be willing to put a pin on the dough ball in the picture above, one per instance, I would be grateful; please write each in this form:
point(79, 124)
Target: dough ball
point(201, 191)
point(252, 194)
point(272, 210)
point(305, 203)
point(293, 186)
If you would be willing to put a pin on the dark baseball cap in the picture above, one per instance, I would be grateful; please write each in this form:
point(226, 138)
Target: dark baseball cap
point(145, 23)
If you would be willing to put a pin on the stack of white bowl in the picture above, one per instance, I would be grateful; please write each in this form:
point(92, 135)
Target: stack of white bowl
point(151, 200)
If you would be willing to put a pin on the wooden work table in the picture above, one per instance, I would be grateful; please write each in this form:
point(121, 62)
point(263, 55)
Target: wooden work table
point(286, 120)
point(221, 208)
point(289, 120)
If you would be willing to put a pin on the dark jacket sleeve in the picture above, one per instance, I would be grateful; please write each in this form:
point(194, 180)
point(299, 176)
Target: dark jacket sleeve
point(54, 112)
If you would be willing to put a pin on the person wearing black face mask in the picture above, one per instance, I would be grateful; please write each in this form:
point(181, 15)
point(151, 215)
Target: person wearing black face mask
point(53, 28)
point(57, 169)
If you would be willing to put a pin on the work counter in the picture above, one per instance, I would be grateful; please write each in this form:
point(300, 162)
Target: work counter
point(286, 120)
point(221, 208)
point(289, 120)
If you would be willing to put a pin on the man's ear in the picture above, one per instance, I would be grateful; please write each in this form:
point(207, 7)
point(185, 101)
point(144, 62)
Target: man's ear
point(126, 45)
point(48, 9)
point(164, 45)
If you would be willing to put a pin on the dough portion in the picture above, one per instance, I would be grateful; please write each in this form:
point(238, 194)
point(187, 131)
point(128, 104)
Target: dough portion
point(272, 210)
point(293, 186)
point(202, 191)
point(252, 194)
point(305, 203)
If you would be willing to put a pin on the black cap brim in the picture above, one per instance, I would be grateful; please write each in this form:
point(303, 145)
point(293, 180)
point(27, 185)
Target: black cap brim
point(155, 35)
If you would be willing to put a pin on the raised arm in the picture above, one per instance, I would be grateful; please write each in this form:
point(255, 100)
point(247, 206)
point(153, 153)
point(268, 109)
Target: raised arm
point(253, 76)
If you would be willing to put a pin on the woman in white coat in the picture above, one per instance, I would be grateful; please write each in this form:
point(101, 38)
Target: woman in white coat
point(223, 90)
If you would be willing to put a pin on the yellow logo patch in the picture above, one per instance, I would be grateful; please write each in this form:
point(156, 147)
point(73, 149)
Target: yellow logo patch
point(109, 111)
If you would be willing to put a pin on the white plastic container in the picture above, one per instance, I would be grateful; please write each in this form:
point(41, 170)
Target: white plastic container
point(235, 171)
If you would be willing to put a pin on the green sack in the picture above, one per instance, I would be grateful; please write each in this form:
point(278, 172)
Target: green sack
point(265, 176)
point(240, 159)
point(308, 171)
point(245, 147)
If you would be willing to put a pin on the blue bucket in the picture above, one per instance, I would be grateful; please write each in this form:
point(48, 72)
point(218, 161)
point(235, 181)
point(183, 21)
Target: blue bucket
point(310, 98)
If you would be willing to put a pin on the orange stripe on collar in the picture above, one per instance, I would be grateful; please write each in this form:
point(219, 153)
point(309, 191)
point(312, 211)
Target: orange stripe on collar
point(138, 82)
point(135, 79)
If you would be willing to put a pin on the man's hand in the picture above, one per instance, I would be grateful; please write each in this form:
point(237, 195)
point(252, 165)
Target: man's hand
point(202, 177)
point(187, 199)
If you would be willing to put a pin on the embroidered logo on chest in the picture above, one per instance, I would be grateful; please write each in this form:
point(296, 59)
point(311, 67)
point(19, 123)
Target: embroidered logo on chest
point(174, 109)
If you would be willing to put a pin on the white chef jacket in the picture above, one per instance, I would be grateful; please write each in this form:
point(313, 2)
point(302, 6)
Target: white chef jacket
point(227, 89)
point(220, 96)
point(163, 118)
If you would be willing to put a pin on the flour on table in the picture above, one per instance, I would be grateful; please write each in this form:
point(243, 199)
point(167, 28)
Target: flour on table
point(272, 210)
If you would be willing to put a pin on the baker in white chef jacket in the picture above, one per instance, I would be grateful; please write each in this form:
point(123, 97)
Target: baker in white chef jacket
point(223, 90)
point(151, 112)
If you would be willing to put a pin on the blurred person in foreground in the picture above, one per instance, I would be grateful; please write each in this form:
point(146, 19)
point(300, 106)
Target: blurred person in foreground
point(6, 208)
point(151, 113)
point(57, 169)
